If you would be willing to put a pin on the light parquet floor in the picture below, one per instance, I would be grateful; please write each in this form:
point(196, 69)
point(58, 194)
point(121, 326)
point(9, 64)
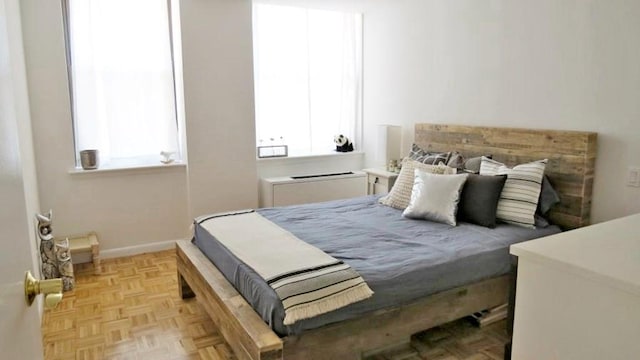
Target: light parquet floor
point(132, 311)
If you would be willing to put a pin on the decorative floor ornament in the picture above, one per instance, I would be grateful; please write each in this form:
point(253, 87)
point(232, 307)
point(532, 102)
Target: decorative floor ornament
point(47, 246)
point(65, 266)
point(54, 254)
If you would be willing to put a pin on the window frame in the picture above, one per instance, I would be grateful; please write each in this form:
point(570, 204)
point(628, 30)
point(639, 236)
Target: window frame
point(179, 155)
point(358, 127)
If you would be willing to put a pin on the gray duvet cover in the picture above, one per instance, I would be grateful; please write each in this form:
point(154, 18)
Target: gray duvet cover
point(401, 259)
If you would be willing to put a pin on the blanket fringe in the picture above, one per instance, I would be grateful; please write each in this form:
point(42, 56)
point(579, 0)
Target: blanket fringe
point(333, 302)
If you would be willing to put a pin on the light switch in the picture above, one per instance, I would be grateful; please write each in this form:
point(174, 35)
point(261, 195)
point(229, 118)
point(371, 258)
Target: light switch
point(633, 176)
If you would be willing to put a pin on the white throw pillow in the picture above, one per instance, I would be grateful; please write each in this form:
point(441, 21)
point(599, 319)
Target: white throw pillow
point(435, 197)
point(519, 197)
point(400, 193)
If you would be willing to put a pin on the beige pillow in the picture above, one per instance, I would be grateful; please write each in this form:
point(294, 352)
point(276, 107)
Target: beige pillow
point(400, 194)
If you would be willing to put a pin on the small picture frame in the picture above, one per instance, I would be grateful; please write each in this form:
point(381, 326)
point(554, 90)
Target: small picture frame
point(273, 151)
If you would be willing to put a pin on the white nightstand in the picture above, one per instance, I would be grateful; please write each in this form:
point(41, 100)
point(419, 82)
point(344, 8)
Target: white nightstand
point(379, 181)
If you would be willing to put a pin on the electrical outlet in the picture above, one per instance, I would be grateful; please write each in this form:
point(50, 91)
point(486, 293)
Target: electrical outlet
point(633, 176)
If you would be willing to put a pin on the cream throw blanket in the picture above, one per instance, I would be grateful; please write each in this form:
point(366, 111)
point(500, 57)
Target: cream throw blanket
point(307, 280)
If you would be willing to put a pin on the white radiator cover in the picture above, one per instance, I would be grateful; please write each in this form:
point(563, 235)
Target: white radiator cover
point(282, 191)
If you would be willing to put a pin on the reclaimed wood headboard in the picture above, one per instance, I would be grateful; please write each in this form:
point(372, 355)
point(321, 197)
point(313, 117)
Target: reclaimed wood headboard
point(571, 155)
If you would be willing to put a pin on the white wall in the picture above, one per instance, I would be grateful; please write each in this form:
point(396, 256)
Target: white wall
point(134, 208)
point(543, 64)
point(218, 89)
point(129, 208)
point(569, 64)
point(139, 207)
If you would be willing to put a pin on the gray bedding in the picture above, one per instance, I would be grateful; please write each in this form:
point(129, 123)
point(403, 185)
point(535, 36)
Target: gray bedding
point(401, 259)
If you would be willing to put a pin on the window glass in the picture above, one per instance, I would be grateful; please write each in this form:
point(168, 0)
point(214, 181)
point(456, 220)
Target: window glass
point(308, 77)
point(122, 79)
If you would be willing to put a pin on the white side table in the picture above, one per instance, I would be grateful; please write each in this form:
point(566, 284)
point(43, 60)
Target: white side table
point(379, 181)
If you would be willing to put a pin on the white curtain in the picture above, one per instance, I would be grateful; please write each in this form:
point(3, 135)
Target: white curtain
point(308, 76)
point(122, 78)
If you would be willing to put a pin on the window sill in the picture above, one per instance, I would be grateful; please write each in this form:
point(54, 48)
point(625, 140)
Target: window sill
point(128, 169)
point(305, 158)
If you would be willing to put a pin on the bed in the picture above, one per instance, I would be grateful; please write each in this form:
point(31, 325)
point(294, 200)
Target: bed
point(571, 163)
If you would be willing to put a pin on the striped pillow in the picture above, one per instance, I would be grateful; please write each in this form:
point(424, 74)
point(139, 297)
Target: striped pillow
point(400, 193)
point(426, 157)
point(519, 197)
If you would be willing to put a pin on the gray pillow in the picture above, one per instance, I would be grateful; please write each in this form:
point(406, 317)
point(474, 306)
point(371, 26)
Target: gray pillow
point(472, 165)
point(435, 197)
point(429, 158)
point(548, 197)
point(479, 199)
point(541, 221)
point(456, 160)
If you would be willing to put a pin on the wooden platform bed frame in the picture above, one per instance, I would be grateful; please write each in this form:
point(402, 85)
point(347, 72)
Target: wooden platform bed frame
point(571, 157)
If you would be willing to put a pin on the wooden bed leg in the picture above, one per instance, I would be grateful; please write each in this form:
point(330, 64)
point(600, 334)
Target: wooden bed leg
point(184, 289)
point(243, 329)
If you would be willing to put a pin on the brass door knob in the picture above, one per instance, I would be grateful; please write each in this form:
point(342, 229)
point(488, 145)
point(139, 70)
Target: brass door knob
point(51, 289)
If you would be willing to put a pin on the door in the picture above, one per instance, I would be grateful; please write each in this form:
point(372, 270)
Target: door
point(20, 335)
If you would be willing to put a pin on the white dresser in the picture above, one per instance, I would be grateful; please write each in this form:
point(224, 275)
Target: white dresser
point(578, 294)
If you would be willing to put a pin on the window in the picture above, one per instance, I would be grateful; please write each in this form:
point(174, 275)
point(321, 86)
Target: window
point(308, 77)
point(121, 76)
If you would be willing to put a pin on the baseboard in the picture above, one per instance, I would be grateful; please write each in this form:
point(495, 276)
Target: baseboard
point(137, 249)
